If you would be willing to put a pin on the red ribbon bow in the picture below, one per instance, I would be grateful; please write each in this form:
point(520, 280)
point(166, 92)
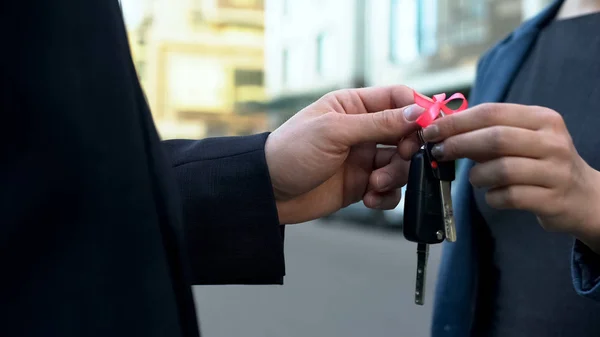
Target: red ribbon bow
point(433, 107)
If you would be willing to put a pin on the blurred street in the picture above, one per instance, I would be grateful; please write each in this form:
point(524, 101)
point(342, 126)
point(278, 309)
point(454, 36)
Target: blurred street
point(343, 280)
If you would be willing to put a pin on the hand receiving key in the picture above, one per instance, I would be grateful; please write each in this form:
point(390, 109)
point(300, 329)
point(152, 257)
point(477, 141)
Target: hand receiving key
point(525, 158)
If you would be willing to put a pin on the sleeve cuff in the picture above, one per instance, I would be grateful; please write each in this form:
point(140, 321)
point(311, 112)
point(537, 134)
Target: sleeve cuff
point(232, 230)
point(585, 271)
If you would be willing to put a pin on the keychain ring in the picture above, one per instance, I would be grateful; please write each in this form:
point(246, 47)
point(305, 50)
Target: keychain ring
point(420, 135)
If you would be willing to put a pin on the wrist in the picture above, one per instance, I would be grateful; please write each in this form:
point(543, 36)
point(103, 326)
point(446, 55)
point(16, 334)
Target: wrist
point(291, 212)
point(273, 165)
point(284, 213)
point(589, 230)
point(306, 207)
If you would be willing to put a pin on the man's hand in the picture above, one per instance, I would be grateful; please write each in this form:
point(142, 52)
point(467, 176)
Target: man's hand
point(326, 156)
point(527, 159)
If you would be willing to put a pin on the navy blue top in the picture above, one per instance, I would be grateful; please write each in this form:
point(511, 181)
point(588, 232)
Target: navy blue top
point(525, 285)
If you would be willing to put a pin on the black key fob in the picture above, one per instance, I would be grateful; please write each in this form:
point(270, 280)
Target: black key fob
point(423, 216)
point(445, 170)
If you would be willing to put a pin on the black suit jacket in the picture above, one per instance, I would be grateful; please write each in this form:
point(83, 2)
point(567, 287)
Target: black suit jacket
point(103, 228)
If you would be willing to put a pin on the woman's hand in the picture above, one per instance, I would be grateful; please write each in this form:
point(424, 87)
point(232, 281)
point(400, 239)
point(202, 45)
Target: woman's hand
point(526, 157)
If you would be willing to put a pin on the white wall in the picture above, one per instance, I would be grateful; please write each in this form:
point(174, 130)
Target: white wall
point(382, 71)
point(297, 32)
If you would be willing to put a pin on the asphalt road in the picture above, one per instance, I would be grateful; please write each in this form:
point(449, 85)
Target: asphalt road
point(342, 281)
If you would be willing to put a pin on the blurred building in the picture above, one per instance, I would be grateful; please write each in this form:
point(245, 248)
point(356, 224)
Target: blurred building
point(434, 45)
point(312, 46)
point(430, 45)
point(201, 65)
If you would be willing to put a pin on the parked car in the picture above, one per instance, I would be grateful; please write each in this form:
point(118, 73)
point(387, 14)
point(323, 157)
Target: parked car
point(395, 217)
point(358, 213)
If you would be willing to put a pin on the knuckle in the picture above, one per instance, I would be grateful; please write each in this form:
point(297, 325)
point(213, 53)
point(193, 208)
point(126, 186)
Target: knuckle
point(551, 117)
point(400, 90)
point(388, 118)
point(512, 199)
point(476, 174)
point(330, 96)
point(503, 170)
point(451, 148)
point(447, 126)
point(497, 139)
point(489, 112)
point(330, 119)
point(560, 146)
point(338, 93)
point(345, 93)
point(383, 120)
point(340, 98)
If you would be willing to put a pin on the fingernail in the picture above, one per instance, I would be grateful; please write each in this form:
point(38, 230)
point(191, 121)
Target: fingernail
point(431, 133)
point(413, 112)
point(438, 151)
point(383, 181)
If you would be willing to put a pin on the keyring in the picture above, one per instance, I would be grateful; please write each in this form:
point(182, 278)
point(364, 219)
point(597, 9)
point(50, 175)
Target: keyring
point(420, 135)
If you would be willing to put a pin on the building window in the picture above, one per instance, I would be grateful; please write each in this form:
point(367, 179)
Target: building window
point(465, 22)
point(403, 31)
point(244, 77)
point(320, 54)
point(294, 67)
point(427, 26)
point(285, 7)
point(413, 29)
point(285, 64)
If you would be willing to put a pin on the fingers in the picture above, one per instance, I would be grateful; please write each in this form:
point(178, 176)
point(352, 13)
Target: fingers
point(523, 197)
point(387, 200)
point(409, 146)
point(493, 142)
point(507, 171)
point(389, 177)
point(487, 115)
point(372, 99)
point(383, 156)
point(385, 127)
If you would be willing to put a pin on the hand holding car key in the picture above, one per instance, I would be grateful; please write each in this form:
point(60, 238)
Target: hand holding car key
point(428, 212)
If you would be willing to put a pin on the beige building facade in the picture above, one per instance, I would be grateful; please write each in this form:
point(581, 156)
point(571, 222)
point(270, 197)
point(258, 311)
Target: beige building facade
point(201, 65)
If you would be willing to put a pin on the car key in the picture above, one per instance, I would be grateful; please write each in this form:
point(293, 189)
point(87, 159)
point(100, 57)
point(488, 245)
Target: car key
point(445, 173)
point(423, 215)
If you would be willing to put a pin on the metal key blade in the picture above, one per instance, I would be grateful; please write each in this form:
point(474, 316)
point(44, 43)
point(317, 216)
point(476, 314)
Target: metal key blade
point(422, 256)
point(449, 225)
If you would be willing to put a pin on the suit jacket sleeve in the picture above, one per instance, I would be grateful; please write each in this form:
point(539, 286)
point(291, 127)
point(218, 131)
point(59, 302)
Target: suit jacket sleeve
point(585, 270)
point(231, 229)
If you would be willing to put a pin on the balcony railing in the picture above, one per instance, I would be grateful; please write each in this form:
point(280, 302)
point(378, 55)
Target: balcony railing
point(232, 12)
point(258, 5)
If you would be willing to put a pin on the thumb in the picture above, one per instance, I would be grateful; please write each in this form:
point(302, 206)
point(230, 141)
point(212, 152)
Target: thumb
point(384, 127)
